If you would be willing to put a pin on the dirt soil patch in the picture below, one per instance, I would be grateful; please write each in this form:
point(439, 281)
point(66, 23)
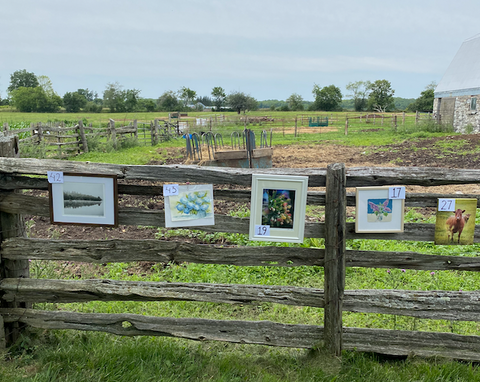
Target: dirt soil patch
point(448, 152)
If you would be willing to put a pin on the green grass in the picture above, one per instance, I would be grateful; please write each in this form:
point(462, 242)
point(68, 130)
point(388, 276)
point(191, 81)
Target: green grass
point(138, 155)
point(88, 356)
point(75, 356)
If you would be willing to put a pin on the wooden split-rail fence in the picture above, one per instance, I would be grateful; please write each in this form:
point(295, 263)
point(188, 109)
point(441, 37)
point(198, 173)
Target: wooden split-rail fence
point(60, 141)
point(18, 291)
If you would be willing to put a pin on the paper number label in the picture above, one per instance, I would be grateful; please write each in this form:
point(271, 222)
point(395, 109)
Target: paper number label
point(446, 205)
point(55, 176)
point(170, 189)
point(396, 193)
point(262, 230)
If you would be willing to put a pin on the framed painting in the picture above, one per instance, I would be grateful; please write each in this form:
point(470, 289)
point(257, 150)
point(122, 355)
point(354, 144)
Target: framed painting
point(455, 221)
point(192, 206)
point(375, 212)
point(277, 210)
point(84, 199)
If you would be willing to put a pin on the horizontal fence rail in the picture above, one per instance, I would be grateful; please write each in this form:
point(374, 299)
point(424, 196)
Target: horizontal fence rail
point(16, 175)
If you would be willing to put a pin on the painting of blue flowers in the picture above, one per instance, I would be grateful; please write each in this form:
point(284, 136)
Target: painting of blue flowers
point(192, 206)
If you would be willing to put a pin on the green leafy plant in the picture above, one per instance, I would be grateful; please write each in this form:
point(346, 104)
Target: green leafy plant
point(278, 210)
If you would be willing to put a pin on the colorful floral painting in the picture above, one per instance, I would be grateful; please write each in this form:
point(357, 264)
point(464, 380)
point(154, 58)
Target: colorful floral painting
point(191, 205)
point(379, 210)
point(278, 208)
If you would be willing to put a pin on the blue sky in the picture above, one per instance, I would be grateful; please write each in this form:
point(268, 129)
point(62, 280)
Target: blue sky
point(268, 49)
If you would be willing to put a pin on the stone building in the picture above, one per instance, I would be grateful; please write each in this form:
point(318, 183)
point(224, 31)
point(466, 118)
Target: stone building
point(457, 93)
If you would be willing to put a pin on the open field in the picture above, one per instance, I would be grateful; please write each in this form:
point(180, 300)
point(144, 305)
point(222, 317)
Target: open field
point(76, 356)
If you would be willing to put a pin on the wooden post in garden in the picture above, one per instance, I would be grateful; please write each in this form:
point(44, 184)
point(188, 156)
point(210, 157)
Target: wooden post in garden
point(39, 133)
point(295, 127)
point(335, 247)
point(11, 225)
point(416, 118)
point(83, 137)
point(346, 126)
point(403, 119)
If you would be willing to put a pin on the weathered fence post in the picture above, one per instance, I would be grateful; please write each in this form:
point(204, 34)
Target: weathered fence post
point(335, 247)
point(83, 138)
point(346, 126)
point(11, 225)
point(113, 133)
point(59, 139)
point(135, 126)
point(295, 126)
point(155, 132)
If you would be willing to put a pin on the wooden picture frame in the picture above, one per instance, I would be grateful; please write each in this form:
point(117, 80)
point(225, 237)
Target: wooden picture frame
point(84, 199)
point(376, 213)
point(278, 204)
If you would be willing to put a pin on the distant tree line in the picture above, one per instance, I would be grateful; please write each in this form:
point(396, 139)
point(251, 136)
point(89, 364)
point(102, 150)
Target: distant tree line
point(30, 93)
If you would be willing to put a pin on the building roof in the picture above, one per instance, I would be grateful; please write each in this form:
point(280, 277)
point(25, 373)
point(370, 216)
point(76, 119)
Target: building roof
point(463, 75)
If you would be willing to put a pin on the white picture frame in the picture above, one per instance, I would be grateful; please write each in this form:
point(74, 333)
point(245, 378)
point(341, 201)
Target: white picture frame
point(192, 207)
point(84, 199)
point(376, 213)
point(286, 225)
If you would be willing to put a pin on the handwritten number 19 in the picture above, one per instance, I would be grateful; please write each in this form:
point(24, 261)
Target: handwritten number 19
point(262, 230)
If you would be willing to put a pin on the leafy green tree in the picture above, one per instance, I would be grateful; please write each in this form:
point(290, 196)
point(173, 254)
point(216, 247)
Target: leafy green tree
point(119, 100)
point(359, 93)
point(168, 101)
point(35, 100)
point(295, 102)
point(89, 95)
point(146, 104)
point(328, 98)
point(74, 101)
point(205, 100)
point(219, 97)
point(93, 107)
point(187, 95)
point(113, 97)
point(239, 102)
point(22, 78)
point(46, 84)
point(271, 104)
point(381, 96)
point(425, 101)
point(252, 103)
point(131, 99)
